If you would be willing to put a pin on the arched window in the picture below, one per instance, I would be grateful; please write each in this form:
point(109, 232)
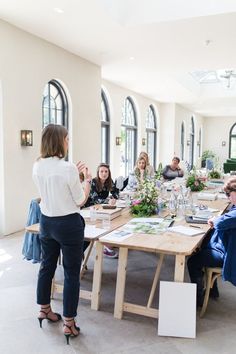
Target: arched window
point(182, 142)
point(128, 137)
point(191, 146)
point(105, 128)
point(232, 142)
point(151, 130)
point(199, 143)
point(55, 105)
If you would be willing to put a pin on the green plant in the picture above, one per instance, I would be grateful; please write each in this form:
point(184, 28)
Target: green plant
point(208, 154)
point(214, 174)
point(195, 182)
point(158, 173)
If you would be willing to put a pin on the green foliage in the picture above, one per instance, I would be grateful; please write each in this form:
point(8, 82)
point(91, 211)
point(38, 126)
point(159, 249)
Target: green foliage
point(208, 154)
point(214, 174)
point(195, 183)
point(158, 173)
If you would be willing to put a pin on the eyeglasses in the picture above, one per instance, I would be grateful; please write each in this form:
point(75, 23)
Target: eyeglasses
point(228, 193)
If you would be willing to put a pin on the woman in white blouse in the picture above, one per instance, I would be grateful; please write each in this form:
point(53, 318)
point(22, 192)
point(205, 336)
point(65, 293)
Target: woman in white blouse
point(61, 225)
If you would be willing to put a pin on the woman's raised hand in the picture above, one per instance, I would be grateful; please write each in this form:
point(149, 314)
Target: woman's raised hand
point(81, 166)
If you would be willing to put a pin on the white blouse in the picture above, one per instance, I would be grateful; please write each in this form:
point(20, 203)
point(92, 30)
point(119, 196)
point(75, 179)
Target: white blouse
point(58, 185)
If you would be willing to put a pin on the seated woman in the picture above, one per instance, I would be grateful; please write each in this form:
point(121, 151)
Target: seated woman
point(219, 250)
point(149, 168)
point(173, 170)
point(139, 174)
point(102, 185)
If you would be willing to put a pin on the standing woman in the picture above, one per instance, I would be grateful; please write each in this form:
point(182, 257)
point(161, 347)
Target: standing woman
point(61, 225)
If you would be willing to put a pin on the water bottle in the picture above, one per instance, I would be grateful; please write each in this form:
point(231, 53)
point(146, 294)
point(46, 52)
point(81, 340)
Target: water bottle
point(172, 203)
point(180, 203)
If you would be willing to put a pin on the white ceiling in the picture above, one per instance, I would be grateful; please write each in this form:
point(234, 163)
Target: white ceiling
point(148, 46)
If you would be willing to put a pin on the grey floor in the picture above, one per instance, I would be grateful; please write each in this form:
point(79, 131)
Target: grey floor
point(100, 332)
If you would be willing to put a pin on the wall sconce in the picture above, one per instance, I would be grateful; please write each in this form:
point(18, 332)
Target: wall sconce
point(26, 137)
point(143, 141)
point(223, 143)
point(188, 142)
point(198, 143)
point(118, 140)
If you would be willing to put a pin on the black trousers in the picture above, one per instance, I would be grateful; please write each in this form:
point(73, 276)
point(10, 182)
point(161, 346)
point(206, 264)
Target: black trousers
point(64, 233)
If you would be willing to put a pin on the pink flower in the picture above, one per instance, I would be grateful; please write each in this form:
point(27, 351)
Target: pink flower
point(196, 183)
point(136, 202)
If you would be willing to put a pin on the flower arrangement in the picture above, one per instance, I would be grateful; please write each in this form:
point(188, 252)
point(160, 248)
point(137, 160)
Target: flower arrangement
point(195, 182)
point(145, 201)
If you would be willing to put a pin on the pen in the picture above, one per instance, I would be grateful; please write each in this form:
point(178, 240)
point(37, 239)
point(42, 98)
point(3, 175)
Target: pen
point(196, 227)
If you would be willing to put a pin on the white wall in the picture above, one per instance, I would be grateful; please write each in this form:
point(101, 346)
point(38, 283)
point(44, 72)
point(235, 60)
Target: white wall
point(27, 63)
point(216, 130)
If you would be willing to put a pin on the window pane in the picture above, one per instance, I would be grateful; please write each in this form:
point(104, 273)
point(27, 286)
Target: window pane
point(55, 105)
point(151, 147)
point(128, 137)
point(105, 129)
point(233, 147)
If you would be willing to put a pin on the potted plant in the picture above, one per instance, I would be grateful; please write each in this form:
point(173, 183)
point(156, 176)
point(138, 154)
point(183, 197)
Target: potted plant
point(205, 155)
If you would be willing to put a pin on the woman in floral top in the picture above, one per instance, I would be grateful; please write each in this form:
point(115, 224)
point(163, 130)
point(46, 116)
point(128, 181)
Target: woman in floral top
point(101, 186)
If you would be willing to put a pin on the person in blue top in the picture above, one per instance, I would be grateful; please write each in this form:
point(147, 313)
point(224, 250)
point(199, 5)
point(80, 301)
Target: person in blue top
point(218, 250)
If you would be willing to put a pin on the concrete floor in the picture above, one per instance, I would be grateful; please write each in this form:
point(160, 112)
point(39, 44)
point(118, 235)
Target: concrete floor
point(100, 332)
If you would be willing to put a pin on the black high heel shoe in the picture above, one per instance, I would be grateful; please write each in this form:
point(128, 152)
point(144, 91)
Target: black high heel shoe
point(70, 333)
point(45, 315)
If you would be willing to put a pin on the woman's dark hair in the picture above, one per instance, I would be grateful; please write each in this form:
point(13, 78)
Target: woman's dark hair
point(53, 141)
point(230, 185)
point(108, 182)
point(176, 158)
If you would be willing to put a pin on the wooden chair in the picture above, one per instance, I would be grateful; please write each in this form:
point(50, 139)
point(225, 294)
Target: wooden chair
point(211, 274)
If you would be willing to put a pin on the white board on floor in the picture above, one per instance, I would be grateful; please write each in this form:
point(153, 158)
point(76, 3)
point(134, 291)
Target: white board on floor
point(177, 310)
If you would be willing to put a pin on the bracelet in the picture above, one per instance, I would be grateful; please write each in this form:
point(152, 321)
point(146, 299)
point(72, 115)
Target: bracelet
point(89, 181)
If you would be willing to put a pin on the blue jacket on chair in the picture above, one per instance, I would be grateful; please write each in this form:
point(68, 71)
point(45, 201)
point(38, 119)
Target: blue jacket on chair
point(32, 247)
point(224, 239)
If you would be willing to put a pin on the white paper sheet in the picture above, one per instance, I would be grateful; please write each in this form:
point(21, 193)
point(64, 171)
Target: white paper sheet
point(117, 235)
point(92, 232)
point(188, 231)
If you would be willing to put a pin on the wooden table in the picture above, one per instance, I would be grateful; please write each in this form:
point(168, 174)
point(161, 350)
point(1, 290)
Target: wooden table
point(167, 243)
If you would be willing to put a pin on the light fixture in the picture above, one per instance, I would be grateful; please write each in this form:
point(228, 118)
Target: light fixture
point(26, 137)
point(198, 143)
point(143, 141)
point(188, 142)
point(223, 143)
point(118, 140)
point(227, 78)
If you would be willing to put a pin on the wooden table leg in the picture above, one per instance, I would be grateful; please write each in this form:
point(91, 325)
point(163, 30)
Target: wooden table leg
point(97, 277)
point(120, 282)
point(179, 268)
point(84, 265)
point(155, 280)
